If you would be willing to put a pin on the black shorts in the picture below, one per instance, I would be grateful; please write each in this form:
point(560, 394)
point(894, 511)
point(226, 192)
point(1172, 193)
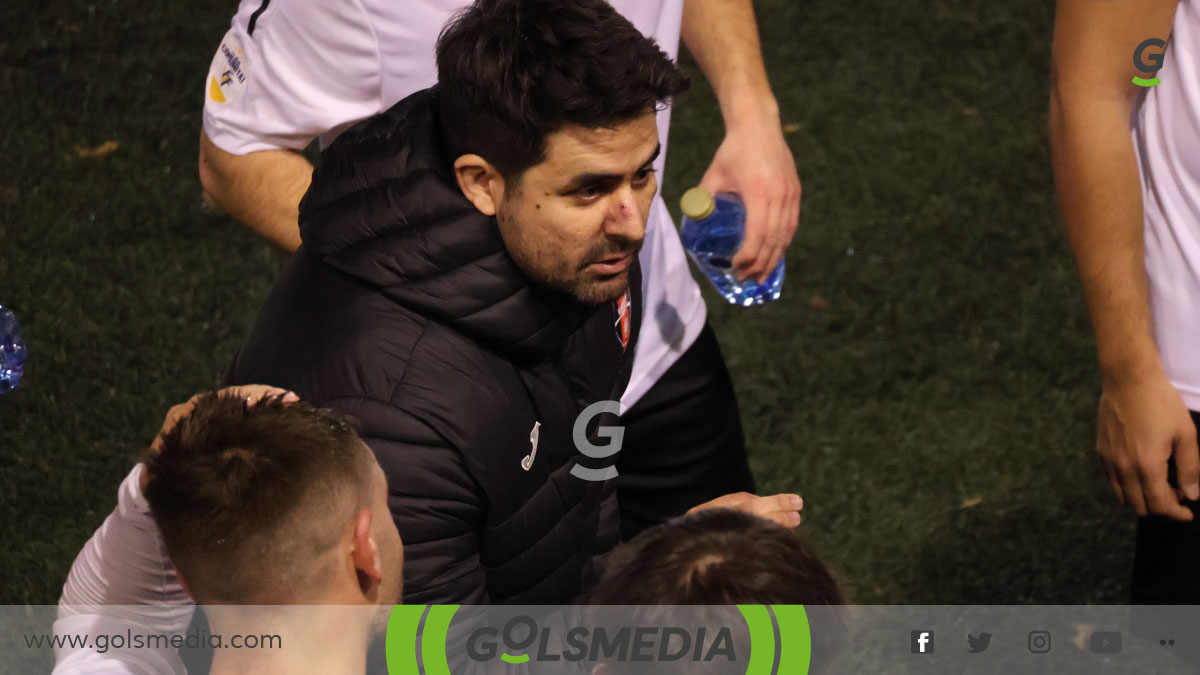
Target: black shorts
point(1164, 564)
point(683, 441)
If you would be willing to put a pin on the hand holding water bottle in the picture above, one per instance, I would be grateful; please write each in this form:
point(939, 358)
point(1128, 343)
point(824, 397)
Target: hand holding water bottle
point(713, 233)
point(755, 162)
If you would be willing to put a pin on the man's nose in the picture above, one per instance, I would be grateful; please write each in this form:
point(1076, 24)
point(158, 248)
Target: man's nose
point(626, 218)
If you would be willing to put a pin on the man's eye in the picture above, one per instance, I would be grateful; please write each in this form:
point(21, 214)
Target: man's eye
point(642, 177)
point(588, 193)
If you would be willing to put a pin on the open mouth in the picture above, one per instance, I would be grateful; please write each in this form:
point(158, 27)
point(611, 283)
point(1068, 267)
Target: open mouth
point(613, 264)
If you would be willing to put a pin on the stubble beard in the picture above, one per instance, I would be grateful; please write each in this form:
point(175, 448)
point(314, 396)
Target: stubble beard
point(579, 282)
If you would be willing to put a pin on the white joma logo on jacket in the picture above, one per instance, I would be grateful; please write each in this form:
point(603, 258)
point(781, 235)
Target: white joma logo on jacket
point(527, 461)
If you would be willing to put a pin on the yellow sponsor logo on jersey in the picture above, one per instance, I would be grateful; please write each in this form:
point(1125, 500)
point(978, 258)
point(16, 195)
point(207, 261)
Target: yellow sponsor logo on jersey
point(214, 91)
point(229, 73)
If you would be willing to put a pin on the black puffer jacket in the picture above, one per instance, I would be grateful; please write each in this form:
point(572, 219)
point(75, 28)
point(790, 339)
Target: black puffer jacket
point(404, 309)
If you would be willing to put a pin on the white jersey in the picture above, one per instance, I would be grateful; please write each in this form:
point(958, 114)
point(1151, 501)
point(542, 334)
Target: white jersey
point(1166, 134)
point(289, 71)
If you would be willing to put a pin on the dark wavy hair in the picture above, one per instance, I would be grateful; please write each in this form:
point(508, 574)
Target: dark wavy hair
point(512, 72)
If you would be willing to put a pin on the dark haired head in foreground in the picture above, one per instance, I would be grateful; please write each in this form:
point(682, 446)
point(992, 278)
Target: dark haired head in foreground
point(549, 109)
point(720, 557)
point(716, 557)
point(273, 504)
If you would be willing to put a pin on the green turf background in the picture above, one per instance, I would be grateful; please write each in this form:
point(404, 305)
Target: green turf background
point(953, 361)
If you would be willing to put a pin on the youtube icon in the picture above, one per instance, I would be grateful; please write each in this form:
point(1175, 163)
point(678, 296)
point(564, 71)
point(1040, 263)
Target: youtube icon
point(1106, 643)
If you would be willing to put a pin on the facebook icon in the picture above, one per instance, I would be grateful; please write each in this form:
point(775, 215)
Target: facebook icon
point(922, 642)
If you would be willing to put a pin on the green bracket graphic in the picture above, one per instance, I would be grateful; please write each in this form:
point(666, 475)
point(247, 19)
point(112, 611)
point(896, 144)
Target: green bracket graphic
point(433, 639)
point(762, 639)
point(403, 629)
point(796, 638)
point(1146, 83)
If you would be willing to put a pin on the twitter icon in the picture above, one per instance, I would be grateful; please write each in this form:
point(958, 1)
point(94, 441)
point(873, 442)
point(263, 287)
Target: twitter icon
point(978, 644)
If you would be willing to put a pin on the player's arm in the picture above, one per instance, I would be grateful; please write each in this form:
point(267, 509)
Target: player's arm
point(124, 562)
point(1142, 419)
point(122, 567)
point(754, 160)
point(304, 68)
point(261, 189)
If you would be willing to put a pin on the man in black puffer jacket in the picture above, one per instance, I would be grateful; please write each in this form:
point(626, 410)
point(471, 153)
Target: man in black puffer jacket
point(468, 285)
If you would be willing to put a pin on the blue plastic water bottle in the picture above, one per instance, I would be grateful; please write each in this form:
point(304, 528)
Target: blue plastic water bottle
point(12, 351)
point(712, 232)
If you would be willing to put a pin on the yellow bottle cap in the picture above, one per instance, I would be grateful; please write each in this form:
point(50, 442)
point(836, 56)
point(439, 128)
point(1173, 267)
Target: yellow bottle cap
point(697, 203)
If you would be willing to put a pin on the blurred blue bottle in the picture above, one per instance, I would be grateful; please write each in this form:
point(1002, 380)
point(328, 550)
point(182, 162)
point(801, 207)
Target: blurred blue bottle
point(12, 351)
point(712, 233)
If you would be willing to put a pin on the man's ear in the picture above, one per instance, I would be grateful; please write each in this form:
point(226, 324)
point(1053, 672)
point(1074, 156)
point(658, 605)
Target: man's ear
point(365, 553)
point(183, 582)
point(480, 182)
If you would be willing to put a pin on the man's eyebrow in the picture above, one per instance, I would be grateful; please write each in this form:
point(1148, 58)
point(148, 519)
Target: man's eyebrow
point(654, 156)
point(585, 179)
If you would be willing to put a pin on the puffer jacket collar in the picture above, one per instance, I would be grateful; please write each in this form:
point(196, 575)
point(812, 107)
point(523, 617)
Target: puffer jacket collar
point(384, 208)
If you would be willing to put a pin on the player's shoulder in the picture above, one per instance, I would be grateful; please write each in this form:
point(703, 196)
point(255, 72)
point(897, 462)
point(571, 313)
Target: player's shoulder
point(323, 18)
point(253, 13)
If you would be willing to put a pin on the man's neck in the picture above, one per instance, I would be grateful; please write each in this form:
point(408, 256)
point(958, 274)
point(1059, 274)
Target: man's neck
point(302, 639)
